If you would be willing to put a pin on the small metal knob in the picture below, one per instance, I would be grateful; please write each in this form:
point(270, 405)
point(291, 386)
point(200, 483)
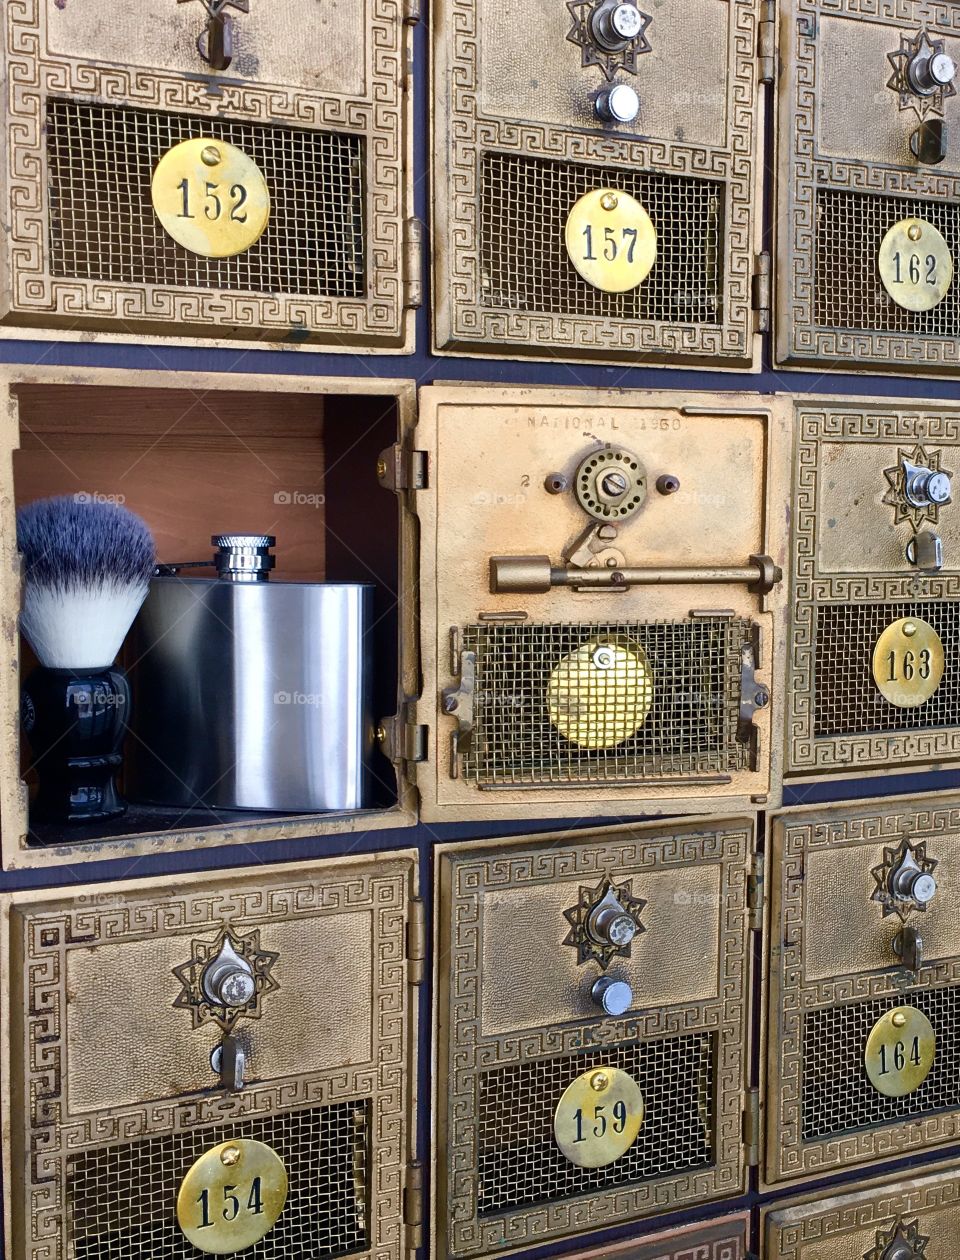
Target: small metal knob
point(244, 557)
point(925, 487)
point(618, 104)
point(915, 885)
point(228, 980)
point(609, 923)
point(929, 71)
point(614, 25)
point(613, 996)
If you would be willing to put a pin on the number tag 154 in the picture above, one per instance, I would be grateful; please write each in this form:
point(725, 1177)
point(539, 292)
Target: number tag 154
point(232, 1196)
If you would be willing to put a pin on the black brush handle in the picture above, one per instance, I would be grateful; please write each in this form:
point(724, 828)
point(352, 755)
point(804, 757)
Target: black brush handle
point(76, 720)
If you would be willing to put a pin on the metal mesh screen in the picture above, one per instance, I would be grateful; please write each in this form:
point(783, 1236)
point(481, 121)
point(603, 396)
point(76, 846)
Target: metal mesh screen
point(690, 728)
point(524, 204)
point(848, 701)
point(519, 1161)
point(121, 1200)
point(837, 1094)
point(848, 290)
point(103, 227)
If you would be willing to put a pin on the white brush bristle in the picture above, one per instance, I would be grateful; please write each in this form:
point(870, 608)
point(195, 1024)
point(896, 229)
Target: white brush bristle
point(79, 629)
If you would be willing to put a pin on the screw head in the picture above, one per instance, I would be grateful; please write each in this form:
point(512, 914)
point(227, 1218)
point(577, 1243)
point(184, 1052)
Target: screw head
point(898, 1019)
point(599, 1081)
point(229, 1156)
point(761, 698)
point(603, 657)
point(381, 467)
point(609, 201)
point(614, 484)
point(210, 155)
point(914, 231)
point(909, 629)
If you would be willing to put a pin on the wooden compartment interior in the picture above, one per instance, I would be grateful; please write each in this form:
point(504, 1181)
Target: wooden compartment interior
point(196, 463)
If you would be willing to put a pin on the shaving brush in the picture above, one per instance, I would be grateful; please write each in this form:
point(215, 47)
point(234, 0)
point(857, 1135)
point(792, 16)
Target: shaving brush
point(86, 569)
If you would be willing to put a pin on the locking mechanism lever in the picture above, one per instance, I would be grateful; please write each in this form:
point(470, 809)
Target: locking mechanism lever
point(229, 1062)
point(535, 575)
point(908, 947)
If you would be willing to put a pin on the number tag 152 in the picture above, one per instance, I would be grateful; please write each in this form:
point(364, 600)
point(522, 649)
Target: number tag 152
point(232, 1196)
point(599, 1117)
point(211, 198)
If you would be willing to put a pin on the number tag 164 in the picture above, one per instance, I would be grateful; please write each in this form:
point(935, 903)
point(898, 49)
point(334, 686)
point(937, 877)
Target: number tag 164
point(598, 1117)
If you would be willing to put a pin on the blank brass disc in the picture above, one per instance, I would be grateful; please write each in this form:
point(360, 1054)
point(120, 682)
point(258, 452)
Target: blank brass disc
point(908, 662)
point(915, 263)
point(900, 1051)
point(210, 197)
point(232, 1196)
point(599, 1117)
point(600, 694)
point(611, 240)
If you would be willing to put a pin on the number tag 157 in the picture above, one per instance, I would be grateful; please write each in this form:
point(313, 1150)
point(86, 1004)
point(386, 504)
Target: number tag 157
point(611, 240)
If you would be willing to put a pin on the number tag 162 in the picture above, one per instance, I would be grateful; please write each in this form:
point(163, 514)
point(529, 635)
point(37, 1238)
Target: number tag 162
point(211, 198)
point(599, 1117)
point(232, 1196)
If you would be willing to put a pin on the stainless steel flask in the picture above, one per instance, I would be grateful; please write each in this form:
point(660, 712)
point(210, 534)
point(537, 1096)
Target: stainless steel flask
point(251, 694)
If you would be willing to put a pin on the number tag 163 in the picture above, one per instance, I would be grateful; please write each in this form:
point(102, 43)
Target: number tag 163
point(232, 1196)
point(598, 1117)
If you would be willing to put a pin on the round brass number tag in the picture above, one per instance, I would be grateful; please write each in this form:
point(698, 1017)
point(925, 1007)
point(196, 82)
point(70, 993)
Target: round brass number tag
point(915, 265)
point(598, 1118)
point(908, 662)
point(210, 197)
point(900, 1051)
point(232, 1196)
point(611, 240)
point(600, 694)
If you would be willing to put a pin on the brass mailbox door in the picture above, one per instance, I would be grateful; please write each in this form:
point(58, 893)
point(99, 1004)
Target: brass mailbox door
point(910, 1219)
point(864, 978)
point(164, 1035)
point(868, 187)
point(724, 1239)
point(875, 570)
point(281, 208)
point(591, 1008)
point(600, 586)
point(647, 119)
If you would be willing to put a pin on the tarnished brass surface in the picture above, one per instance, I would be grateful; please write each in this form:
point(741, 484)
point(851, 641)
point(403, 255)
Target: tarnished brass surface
point(859, 514)
point(210, 197)
point(124, 1099)
point(906, 1218)
point(862, 158)
point(900, 1051)
point(840, 976)
point(611, 240)
point(317, 100)
point(908, 662)
point(724, 1239)
point(520, 140)
point(693, 488)
point(518, 1023)
point(232, 1196)
point(916, 265)
point(598, 1117)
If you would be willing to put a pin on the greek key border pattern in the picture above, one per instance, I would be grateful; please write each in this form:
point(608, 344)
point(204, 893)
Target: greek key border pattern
point(33, 74)
point(48, 1136)
point(805, 170)
point(816, 424)
point(791, 997)
point(467, 133)
point(467, 1053)
point(789, 1231)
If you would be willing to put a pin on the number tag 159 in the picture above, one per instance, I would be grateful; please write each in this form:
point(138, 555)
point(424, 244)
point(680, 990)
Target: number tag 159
point(210, 197)
point(232, 1196)
point(599, 1117)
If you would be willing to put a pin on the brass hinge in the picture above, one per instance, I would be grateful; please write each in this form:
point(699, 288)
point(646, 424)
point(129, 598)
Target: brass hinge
point(751, 1127)
point(411, 12)
point(399, 468)
point(412, 264)
point(761, 291)
point(401, 740)
point(767, 41)
point(755, 894)
point(416, 941)
point(413, 1207)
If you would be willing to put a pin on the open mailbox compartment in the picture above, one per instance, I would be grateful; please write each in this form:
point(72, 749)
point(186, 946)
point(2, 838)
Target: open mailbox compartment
point(196, 455)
